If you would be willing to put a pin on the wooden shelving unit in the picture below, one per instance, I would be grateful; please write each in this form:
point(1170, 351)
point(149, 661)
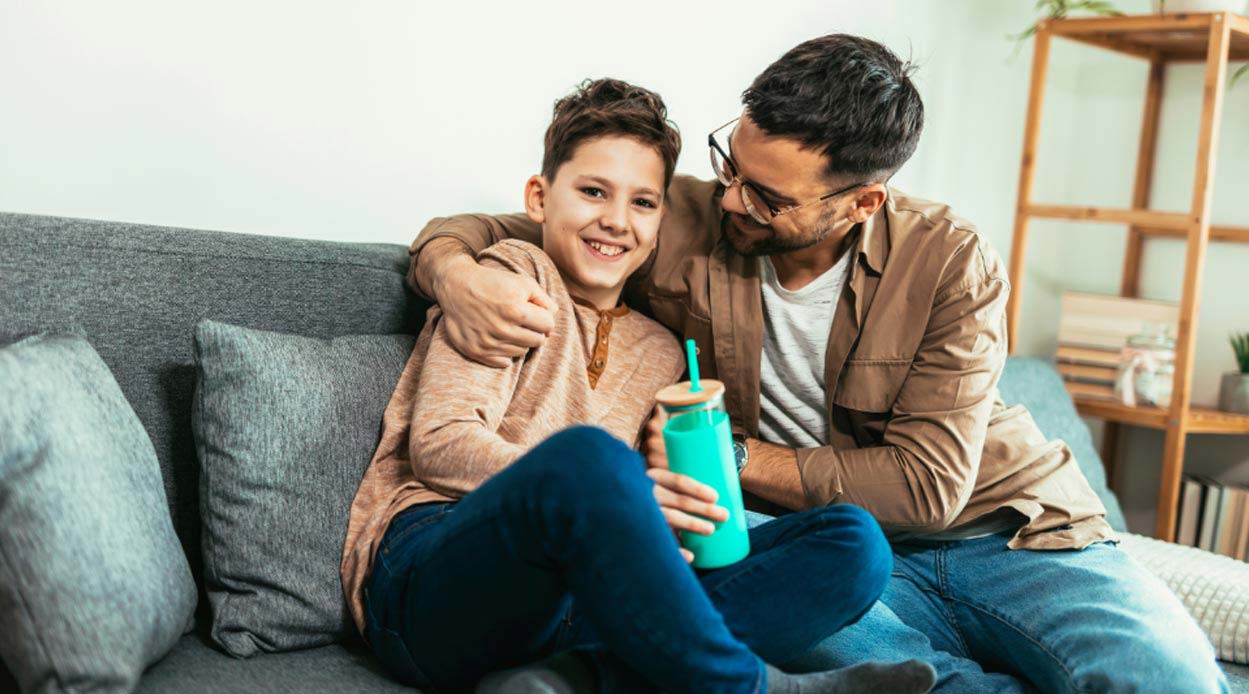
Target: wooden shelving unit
point(1211, 38)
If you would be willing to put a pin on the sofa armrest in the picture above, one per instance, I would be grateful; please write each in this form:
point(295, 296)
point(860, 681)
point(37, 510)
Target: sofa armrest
point(1213, 588)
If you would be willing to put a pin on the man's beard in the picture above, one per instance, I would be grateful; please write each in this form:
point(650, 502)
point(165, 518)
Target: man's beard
point(768, 242)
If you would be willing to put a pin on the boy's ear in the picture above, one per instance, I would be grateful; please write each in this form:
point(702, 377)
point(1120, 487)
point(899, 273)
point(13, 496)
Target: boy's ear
point(535, 198)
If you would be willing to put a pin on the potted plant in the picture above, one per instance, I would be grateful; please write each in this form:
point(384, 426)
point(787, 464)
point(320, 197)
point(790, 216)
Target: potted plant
point(1234, 390)
point(1183, 6)
point(1057, 9)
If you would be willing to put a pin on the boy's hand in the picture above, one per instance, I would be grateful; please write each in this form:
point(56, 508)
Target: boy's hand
point(653, 440)
point(493, 316)
point(682, 499)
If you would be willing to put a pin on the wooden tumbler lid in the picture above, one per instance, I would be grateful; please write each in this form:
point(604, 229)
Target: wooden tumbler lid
point(679, 395)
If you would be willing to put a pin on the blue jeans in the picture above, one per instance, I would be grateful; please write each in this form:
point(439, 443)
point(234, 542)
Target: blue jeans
point(567, 549)
point(991, 619)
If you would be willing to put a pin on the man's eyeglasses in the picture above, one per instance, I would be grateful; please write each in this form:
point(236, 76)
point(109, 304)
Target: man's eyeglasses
point(756, 203)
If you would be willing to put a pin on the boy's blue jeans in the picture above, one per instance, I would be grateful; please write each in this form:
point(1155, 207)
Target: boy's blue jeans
point(566, 548)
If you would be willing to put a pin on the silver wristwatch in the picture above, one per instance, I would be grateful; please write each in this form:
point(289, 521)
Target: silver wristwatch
point(740, 453)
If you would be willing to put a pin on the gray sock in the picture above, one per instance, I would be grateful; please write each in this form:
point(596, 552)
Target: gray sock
point(564, 673)
point(907, 677)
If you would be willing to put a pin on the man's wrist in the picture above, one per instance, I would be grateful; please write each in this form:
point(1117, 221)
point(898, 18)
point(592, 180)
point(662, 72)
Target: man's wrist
point(773, 474)
point(441, 258)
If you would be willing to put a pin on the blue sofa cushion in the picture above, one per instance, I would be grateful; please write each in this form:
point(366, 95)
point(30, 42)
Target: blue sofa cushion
point(1035, 384)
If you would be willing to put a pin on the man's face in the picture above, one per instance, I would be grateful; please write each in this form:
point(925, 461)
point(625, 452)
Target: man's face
point(789, 175)
point(600, 215)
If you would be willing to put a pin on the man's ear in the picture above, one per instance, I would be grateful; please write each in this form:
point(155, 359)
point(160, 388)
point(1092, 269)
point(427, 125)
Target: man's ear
point(867, 200)
point(535, 198)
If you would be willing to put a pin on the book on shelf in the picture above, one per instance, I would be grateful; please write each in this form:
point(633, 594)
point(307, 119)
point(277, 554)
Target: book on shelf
point(1190, 512)
point(1214, 517)
point(1100, 322)
point(1233, 537)
point(1091, 391)
point(1088, 374)
point(1092, 333)
point(1067, 354)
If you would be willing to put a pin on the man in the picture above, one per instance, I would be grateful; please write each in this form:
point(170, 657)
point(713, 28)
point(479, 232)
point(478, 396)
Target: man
point(861, 333)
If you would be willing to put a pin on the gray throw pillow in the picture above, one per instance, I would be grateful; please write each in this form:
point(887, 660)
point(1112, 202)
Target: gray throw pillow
point(93, 582)
point(285, 427)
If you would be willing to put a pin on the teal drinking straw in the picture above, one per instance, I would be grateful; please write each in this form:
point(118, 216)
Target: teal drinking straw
point(691, 352)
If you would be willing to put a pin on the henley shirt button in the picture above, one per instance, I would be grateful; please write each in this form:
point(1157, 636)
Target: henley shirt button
point(598, 363)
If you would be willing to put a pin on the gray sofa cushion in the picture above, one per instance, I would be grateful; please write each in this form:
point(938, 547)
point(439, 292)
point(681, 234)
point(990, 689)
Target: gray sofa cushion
point(195, 667)
point(93, 582)
point(137, 291)
point(284, 426)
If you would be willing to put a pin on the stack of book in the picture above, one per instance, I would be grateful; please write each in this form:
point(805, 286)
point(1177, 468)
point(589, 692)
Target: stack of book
point(1214, 517)
point(1092, 332)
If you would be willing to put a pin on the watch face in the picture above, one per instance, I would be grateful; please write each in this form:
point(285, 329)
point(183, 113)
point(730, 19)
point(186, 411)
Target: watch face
point(739, 454)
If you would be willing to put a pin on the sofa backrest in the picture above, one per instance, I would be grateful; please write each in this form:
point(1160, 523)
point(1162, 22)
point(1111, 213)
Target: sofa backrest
point(136, 292)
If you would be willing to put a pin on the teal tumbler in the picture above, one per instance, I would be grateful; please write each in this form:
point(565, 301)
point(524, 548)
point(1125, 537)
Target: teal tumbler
point(699, 442)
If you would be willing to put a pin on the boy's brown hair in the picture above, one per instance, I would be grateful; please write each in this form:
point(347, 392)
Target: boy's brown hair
point(605, 107)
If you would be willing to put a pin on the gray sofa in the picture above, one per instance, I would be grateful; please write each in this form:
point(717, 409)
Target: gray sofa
point(137, 292)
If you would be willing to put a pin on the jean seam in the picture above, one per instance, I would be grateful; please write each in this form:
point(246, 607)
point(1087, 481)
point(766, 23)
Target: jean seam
point(384, 549)
point(958, 633)
point(946, 597)
point(377, 625)
point(1019, 630)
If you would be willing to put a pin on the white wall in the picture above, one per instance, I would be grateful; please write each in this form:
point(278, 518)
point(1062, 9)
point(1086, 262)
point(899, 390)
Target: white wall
point(358, 122)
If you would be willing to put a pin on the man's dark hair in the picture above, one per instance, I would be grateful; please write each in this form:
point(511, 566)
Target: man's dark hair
point(610, 107)
point(847, 96)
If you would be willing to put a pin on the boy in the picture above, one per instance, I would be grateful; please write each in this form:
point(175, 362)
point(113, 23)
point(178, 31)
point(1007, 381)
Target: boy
point(481, 539)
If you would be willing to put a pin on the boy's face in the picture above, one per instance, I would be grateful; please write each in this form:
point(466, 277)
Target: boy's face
point(600, 215)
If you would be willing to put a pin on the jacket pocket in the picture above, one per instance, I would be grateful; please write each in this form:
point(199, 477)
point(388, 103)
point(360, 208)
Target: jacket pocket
point(871, 385)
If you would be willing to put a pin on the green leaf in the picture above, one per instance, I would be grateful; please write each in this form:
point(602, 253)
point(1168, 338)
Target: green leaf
point(1240, 346)
point(1240, 72)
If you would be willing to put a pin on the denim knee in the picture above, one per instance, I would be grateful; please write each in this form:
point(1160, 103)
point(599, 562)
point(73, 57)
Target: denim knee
point(851, 526)
point(579, 460)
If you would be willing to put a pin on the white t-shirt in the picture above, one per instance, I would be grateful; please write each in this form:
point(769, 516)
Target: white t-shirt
point(796, 325)
point(792, 410)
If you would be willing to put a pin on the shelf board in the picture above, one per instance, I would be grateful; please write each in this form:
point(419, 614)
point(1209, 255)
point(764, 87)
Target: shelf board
point(1178, 221)
point(1148, 222)
point(1217, 233)
point(1201, 420)
point(1167, 38)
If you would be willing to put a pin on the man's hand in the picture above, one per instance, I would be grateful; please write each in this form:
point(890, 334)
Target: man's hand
point(493, 316)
